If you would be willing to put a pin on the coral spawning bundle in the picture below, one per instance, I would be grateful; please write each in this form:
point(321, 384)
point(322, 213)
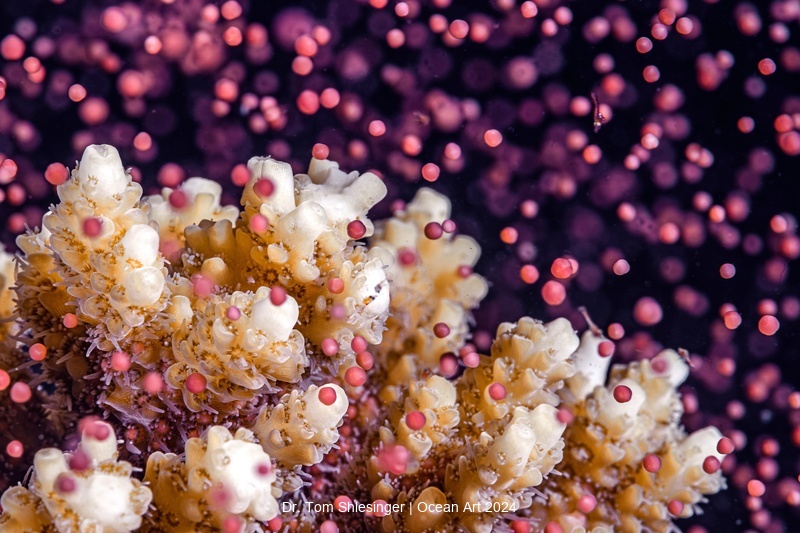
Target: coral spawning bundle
point(296, 366)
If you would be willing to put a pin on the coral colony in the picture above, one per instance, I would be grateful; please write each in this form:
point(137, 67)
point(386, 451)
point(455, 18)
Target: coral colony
point(285, 346)
point(297, 339)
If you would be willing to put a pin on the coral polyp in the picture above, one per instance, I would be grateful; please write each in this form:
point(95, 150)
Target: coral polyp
point(296, 366)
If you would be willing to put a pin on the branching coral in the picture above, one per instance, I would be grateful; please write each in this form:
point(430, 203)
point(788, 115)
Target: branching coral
point(628, 465)
point(88, 491)
point(224, 482)
point(108, 252)
point(301, 429)
point(432, 280)
point(290, 364)
point(239, 345)
point(201, 337)
point(496, 430)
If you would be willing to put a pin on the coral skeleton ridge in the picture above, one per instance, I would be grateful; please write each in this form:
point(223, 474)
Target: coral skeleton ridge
point(211, 369)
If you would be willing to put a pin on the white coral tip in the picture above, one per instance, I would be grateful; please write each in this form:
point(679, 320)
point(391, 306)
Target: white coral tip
point(325, 416)
point(195, 186)
point(282, 198)
point(99, 449)
point(676, 370)
point(701, 444)
point(101, 172)
point(615, 409)
point(590, 368)
point(140, 244)
point(430, 204)
point(275, 322)
point(144, 286)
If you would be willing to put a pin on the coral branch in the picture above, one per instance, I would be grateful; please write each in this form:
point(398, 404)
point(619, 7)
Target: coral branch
point(294, 364)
